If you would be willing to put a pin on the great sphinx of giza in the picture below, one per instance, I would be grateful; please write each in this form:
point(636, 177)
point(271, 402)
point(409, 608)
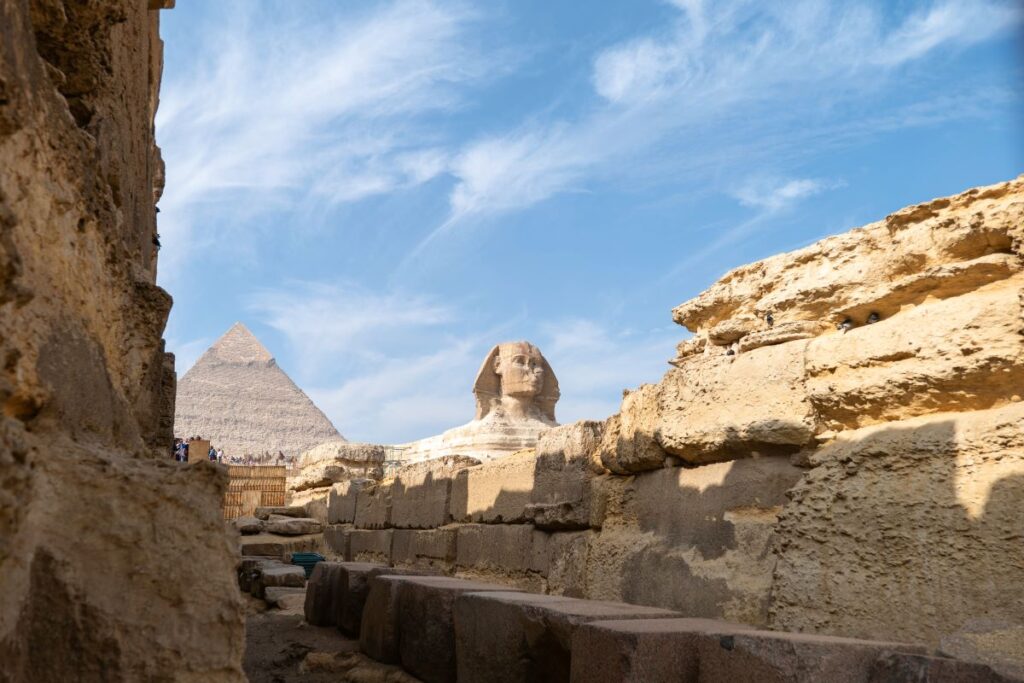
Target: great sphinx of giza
point(516, 391)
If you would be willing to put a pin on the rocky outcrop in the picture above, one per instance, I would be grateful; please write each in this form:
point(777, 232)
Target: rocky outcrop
point(888, 361)
point(337, 461)
point(95, 518)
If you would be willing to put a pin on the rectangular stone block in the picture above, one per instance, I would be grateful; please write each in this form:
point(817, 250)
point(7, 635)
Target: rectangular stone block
point(336, 540)
point(366, 545)
point(568, 554)
point(249, 567)
point(350, 596)
point(373, 507)
point(283, 511)
point(565, 494)
point(278, 546)
point(279, 575)
point(433, 548)
point(673, 520)
point(507, 548)
point(341, 501)
point(425, 627)
point(322, 591)
point(495, 492)
point(317, 509)
point(523, 637)
point(378, 634)
point(420, 499)
point(717, 652)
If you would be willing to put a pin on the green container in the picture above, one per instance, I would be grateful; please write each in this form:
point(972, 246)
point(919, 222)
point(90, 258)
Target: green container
point(307, 561)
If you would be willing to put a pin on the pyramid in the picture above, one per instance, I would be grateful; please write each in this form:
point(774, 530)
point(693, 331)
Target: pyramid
point(236, 396)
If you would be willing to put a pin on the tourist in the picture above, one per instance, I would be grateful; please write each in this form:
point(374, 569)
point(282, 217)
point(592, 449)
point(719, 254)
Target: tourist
point(212, 454)
point(220, 455)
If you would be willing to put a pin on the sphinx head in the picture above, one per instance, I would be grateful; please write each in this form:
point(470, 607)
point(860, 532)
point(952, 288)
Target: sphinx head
point(520, 369)
point(515, 377)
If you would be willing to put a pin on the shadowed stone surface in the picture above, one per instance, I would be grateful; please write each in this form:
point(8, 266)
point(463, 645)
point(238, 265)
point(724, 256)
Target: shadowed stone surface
point(522, 637)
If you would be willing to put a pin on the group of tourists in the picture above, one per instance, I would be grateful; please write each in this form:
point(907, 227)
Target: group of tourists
point(181, 448)
point(181, 451)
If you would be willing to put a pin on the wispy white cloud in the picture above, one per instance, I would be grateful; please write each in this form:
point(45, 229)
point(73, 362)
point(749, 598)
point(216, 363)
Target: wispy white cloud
point(390, 368)
point(341, 325)
point(773, 194)
point(275, 112)
point(725, 74)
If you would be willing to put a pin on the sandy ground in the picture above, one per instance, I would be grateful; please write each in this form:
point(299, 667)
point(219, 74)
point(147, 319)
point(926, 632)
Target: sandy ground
point(280, 647)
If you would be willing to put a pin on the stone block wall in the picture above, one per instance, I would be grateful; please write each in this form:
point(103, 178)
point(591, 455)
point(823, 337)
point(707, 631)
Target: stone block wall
point(600, 535)
point(95, 517)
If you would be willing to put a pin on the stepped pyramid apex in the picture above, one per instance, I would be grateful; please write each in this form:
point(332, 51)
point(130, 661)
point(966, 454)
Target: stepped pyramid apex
point(238, 397)
point(239, 345)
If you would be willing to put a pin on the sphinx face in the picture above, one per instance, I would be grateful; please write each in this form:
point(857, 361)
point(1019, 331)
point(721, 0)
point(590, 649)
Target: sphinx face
point(521, 368)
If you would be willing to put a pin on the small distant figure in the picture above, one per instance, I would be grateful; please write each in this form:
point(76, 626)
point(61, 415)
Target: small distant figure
point(845, 326)
point(770, 319)
point(873, 318)
point(212, 454)
point(220, 455)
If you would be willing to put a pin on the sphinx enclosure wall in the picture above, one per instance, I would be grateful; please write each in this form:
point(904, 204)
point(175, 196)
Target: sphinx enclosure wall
point(94, 519)
point(866, 482)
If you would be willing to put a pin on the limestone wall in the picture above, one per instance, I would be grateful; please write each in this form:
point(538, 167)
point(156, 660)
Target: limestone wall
point(697, 540)
point(837, 449)
point(95, 518)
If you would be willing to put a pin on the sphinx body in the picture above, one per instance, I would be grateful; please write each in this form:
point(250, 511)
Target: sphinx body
point(516, 392)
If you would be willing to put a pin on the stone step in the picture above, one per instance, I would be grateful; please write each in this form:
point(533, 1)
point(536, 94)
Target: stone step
point(408, 620)
point(277, 546)
point(708, 651)
point(512, 637)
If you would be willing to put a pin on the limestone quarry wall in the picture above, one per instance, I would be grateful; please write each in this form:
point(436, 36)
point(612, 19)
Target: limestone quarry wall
point(94, 516)
point(837, 449)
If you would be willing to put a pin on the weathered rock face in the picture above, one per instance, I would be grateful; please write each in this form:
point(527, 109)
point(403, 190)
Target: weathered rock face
point(890, 361)
point(516, 391)
point(907, 528)
point(237, 396)
point(94, 517)
point(337, 461)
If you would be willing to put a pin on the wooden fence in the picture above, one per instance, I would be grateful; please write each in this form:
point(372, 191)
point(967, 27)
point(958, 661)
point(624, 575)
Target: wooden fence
point(253, 486)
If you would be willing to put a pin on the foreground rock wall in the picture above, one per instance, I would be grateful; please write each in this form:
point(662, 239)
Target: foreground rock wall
point(94, 519)
point(838, 449)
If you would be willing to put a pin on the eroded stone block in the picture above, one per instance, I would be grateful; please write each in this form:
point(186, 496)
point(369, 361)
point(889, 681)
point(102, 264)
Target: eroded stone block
point(366, 545)
point(373, 507)
point(322, 591)
point(505, 548)
point(351, 592)
point(496, 491)
point(341, 501)
point(522, 637)
point(294, 526)
point(420, 499)
point(277, 575)
point(426, 548)
point(425, 627)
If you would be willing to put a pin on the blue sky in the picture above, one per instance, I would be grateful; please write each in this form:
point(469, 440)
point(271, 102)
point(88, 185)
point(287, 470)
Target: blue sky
point(383, 191)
